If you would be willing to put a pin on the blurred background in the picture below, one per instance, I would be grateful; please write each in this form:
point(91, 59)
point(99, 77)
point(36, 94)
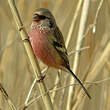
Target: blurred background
point(16, 74)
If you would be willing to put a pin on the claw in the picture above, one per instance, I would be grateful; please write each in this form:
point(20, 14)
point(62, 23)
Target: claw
point(41, 78)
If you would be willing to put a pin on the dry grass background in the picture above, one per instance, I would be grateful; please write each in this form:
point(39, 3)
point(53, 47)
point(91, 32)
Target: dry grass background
point(16, 74)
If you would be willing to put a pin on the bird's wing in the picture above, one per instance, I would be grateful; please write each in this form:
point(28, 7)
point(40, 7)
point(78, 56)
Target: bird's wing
point(59, 45)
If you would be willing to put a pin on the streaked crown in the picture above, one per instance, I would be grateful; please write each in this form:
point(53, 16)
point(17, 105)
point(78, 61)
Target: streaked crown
point(42, 13)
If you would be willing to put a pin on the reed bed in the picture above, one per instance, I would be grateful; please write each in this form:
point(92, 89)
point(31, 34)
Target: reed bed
point(85, 26)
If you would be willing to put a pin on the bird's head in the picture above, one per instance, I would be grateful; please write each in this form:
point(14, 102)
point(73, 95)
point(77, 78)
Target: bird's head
point(43, 18)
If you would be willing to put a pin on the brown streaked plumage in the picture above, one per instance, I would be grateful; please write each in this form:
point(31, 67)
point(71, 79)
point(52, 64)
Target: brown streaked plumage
point(48, 43)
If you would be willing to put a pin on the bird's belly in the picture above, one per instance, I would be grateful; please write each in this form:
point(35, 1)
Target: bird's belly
point(45, 51)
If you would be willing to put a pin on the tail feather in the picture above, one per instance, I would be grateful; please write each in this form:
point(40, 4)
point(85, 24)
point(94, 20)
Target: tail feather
point(85, 90)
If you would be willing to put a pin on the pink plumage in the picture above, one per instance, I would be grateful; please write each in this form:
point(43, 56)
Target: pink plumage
point(48, 44)
point(42, 48)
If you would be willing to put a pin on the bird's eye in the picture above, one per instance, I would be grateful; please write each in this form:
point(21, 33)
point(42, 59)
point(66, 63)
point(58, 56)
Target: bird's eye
point(42, 17)
point(37, 17)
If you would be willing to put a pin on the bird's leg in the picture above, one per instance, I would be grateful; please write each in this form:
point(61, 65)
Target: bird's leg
point(41, 78)
point(44, 71)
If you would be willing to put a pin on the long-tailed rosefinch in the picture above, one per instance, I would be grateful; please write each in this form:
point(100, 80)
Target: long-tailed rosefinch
point(48, 43)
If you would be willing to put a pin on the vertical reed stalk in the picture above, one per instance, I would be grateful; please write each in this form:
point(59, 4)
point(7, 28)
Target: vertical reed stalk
point(33, 60)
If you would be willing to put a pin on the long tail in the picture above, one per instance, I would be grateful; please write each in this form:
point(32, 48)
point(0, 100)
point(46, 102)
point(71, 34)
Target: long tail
point(85, 90)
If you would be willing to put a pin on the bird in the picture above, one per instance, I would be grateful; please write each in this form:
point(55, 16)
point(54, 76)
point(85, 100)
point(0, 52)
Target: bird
point(48, 44)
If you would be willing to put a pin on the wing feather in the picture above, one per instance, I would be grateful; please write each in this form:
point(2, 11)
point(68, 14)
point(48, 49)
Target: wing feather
point(59, 45)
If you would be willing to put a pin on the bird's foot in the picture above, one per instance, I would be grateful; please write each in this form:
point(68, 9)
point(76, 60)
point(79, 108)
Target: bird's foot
point(41, 78)
point(44, 74)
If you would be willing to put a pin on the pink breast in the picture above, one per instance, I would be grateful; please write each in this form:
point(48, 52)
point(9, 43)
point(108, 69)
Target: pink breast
point(42, 48)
